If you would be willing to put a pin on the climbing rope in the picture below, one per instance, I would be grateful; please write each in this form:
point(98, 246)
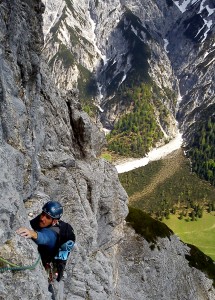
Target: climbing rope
point(14, 267)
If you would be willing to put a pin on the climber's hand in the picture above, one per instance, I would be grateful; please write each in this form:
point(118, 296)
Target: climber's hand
point(27, 233)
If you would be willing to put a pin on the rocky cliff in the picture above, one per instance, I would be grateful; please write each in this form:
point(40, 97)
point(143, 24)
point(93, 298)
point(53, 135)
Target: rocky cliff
point(49, 149)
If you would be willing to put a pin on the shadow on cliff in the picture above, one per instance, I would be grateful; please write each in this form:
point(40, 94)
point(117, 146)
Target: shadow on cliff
point(146, 226)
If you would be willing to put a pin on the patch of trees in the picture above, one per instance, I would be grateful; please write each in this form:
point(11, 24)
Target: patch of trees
point(191, 212)
point(137, 131)
point(202, 151)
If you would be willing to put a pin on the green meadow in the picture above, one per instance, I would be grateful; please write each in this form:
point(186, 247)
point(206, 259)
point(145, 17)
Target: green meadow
point(168, 191)
point(200, 233)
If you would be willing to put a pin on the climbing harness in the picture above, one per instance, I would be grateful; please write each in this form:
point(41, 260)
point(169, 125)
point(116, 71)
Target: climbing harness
point(14, 267)
point(52, 273)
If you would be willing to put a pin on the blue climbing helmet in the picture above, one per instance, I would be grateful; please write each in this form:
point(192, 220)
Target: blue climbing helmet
point(54, 209)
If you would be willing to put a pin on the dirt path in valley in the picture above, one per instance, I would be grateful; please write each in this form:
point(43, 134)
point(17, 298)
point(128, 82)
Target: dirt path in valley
point(172, 163)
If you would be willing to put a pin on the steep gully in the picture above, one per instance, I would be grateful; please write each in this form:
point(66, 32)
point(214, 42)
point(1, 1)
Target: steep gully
point(154, 154)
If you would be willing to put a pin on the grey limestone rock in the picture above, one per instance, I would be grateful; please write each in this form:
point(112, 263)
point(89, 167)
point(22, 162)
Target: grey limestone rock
point(162, 273)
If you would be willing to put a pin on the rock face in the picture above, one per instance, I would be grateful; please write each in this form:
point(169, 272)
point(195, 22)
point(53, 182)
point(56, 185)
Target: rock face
point(157, 274)
point(49, 149)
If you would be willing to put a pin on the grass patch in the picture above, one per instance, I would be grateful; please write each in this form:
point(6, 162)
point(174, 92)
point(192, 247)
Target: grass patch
point(146, 226)
point(113, 157)
point(199, 233)
point(106, 156)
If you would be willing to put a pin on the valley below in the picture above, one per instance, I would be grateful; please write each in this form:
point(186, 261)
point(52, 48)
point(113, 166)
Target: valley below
point(168, 190)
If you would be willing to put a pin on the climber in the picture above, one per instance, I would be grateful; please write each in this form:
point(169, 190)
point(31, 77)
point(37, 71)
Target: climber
point(54, 238)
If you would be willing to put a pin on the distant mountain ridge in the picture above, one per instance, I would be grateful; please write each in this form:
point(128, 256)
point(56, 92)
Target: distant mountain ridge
point(104, 49)
point(97, 36)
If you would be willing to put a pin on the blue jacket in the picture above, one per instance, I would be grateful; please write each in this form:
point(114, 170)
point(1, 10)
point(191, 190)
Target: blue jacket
point(47, 240)
point(46, 237)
